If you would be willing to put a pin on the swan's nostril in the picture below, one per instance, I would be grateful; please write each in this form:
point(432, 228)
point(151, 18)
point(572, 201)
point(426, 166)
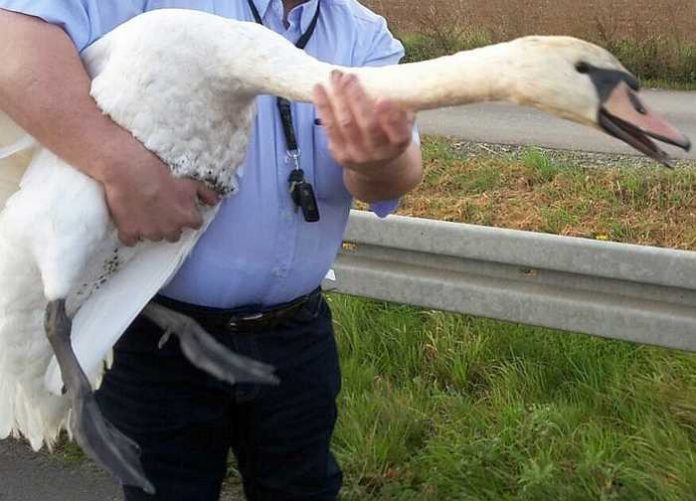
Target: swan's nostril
point(637, 104)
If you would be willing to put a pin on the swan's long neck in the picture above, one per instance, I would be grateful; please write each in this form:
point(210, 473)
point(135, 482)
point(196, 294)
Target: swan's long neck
point(463, 78)
point(485, 74)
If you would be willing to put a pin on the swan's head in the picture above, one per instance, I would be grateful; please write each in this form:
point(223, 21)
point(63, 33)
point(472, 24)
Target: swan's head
point(585, 83)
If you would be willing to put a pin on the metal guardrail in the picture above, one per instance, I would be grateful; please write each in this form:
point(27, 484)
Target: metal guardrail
point(630, 292)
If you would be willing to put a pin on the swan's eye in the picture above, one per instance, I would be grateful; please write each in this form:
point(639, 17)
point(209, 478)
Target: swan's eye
point(582, 67)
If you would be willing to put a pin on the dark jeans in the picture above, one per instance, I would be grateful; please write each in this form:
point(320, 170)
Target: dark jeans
point(186, 421)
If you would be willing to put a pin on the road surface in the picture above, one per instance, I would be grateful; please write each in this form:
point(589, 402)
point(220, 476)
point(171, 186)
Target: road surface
point(508, 124)
point(26, 476)
point(29, 476)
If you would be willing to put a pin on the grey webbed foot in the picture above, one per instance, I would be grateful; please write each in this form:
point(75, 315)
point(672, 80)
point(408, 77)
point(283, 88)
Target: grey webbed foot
point(205, 352)
point(97, 437)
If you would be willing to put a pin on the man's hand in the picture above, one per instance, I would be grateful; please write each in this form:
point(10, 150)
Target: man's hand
point(147, 202)
point(371, 139)
point(363, 134)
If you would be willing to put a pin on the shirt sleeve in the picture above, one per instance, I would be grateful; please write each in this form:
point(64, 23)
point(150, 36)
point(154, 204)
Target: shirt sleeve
point(382, 48)
point(385, 49)
point(83, 20)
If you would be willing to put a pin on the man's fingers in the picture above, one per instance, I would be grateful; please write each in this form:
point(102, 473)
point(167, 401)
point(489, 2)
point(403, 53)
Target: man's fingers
point(195, 220)
point(129, 240)
point(159, 206)
point(345, 118)
point(362, 104)
point(173, 237)
point(396, 123)
point(327, 116)
point(364, 111)
point(207, 195)
point(321, 101)
point(152, 238)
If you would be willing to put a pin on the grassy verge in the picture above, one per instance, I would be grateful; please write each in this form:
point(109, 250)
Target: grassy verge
point(635, 201)
point(440, 406)
point(658, 62)
point(444, 406)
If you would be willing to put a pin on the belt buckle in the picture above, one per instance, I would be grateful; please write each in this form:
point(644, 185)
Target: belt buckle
point(234, 322)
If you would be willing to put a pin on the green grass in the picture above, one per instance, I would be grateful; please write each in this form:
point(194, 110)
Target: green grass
point(630, 200)
point(659, 62)
point(69, 451)
point(444, 406)
point(419, 47)
point(539, 162)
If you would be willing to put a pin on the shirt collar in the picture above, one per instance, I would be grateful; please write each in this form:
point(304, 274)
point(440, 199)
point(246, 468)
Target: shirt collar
point(307, 14)
point(262, 6)
point(306, 11)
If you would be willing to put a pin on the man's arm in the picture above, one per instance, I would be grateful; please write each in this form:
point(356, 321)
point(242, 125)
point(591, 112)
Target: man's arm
point(371, 140)
point(45, 89)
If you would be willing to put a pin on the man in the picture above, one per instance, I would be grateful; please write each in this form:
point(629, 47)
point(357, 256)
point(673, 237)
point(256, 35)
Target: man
point(260, 263)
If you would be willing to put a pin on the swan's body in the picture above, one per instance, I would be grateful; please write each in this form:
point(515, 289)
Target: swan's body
point(184, 83)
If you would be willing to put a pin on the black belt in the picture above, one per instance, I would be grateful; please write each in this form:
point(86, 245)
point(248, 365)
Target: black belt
point(246, 319)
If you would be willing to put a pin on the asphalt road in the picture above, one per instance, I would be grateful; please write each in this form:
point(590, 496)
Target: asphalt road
point(507, 124)
point(27, 476)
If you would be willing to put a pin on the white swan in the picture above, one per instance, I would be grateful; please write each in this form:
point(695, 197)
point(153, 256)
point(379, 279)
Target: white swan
point(184, 82)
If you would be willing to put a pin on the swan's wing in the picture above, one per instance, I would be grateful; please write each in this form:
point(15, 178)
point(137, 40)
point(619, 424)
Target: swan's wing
point(25, 355)
point(108, 311)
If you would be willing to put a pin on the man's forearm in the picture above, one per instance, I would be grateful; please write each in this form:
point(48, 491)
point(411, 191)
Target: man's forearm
point(388, 181)
point(45, 89)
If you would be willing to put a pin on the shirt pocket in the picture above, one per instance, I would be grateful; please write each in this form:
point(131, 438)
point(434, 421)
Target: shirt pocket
point(328, 174)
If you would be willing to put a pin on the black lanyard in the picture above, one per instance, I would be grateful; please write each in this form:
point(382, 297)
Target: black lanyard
point(301, 191)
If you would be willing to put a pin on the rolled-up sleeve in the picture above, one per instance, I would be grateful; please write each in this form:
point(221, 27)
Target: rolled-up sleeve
point(384, 49)
point(83, 20)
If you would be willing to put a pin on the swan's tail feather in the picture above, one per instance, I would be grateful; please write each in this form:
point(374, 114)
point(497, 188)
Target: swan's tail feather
point(6, 408)
point(26, 408)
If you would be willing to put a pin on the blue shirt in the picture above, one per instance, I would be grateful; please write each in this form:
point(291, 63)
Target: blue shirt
point(259, 250)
